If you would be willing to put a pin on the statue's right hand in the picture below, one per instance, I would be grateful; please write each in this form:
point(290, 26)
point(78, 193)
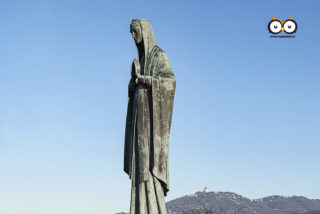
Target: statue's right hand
point(136, 66)
point(132, 85)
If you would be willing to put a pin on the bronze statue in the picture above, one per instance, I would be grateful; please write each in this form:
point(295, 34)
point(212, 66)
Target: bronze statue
point(150, 103)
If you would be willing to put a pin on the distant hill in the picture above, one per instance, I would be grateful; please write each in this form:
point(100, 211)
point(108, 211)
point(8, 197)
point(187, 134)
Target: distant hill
point(313, 212)
point(232, 203)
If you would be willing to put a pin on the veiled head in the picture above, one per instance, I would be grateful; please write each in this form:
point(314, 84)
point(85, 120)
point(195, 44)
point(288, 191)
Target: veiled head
point(142, 33)
point(136, 31)
point(143, 36)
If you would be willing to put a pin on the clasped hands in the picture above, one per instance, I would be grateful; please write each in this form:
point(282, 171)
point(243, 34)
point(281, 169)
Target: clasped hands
point(136, 77)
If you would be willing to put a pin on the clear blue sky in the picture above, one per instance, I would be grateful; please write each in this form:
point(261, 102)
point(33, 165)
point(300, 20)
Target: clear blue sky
point(246, 114)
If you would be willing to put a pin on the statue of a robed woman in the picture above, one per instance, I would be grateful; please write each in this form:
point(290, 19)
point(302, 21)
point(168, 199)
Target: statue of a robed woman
point(151, 94)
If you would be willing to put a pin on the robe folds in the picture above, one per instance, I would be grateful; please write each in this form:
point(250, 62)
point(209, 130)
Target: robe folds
point(149, 120)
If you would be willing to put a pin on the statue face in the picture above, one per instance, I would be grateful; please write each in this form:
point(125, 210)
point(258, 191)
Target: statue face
point(136, 32)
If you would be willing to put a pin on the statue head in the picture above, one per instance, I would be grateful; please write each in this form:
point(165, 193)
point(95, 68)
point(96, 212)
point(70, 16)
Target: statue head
point(142, 34)
point(136, 31)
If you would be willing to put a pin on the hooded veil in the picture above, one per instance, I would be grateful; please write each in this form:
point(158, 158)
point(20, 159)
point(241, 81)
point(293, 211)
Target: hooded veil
point(149, 41)
point(149, 120)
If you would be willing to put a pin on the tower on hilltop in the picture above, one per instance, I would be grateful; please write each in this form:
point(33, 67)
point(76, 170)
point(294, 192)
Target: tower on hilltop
point(206, 189)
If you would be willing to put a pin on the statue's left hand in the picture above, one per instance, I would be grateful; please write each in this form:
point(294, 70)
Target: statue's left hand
point(143, 79)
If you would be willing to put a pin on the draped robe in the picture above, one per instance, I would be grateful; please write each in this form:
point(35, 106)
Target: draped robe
point(147, 130)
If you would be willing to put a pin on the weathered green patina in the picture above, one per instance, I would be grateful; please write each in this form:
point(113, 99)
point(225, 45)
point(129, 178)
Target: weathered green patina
point(150, 103)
